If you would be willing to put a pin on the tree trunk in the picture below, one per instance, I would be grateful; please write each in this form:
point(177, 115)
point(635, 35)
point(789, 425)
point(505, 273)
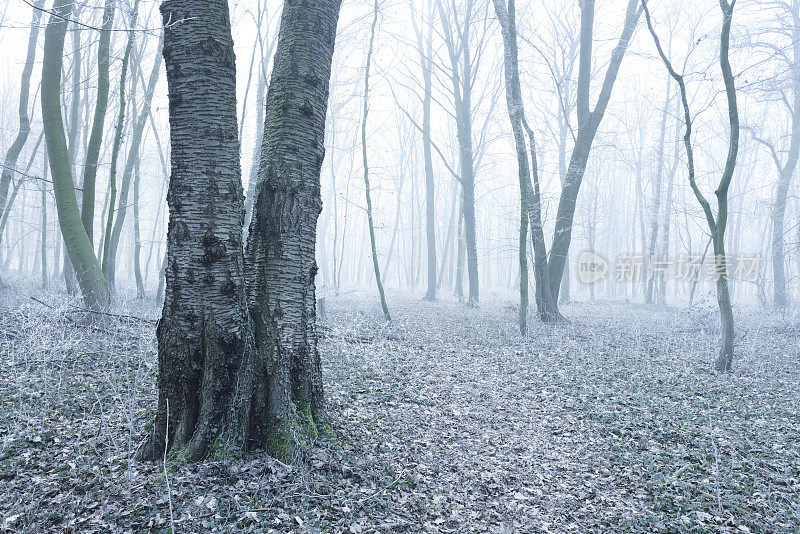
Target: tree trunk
point(446, 254)
point(725, 358)
point(203, 334)
point(468, 180)
point(430, 206)
point(370, 222)
point(108, 249)
point(101, 106)
point(72, 135)
point(530, 196)
point(461, 251)
point(90, 277)
point(10, 162)
point(787, 171)
point(280, 263)
point(137, 239)
point(588, 123)
point(716, 226)
point(43, 230)
point(132, 160)
point(457, 39)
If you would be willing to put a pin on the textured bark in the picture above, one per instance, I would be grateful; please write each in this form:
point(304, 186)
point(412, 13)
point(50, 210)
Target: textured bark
point(375, 266)
point(203, 331)
point(280, 264)
point(241, 369)
point(90, 277)
point(100, 108)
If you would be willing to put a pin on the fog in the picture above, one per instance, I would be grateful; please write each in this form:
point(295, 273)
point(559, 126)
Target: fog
point(541, 182)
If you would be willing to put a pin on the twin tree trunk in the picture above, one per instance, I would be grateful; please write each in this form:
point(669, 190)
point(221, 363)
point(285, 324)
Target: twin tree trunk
point(588, 123)
point(546, 303)
point(78, 246)
point(238, 361)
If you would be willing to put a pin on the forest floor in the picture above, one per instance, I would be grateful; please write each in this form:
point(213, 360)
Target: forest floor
point(446, 420)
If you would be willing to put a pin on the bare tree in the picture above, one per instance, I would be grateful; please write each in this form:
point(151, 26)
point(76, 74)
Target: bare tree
point(376, 267)
point(463, 62)
point(10, 161)
point(425, 50)
point(132, 159)
point(716, 225)
point(588, 123)
point(530, 194)
point(87, 268)
point(101, 106)
point(785, 166)
point(108, 249)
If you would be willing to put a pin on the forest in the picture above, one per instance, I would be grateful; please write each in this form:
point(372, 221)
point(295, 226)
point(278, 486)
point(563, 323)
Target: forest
point(374, 266)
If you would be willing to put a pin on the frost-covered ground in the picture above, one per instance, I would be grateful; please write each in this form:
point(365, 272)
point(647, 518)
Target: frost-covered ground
point(447, 420)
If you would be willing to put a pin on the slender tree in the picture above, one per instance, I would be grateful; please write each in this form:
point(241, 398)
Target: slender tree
point(43, 229)
point(134, 149)
point(137, 235)
point(425, 50)
point(10, 161)
point(785, 167)
point(457, 34)
point(370, 222)
point(588, 123)
point(716, 224)
point(529, 194)
point(100, 108)
point(90, 276)
point(108, 250)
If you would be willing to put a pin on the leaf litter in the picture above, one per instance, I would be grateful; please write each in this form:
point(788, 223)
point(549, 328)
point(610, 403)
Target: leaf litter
point(446, 420)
